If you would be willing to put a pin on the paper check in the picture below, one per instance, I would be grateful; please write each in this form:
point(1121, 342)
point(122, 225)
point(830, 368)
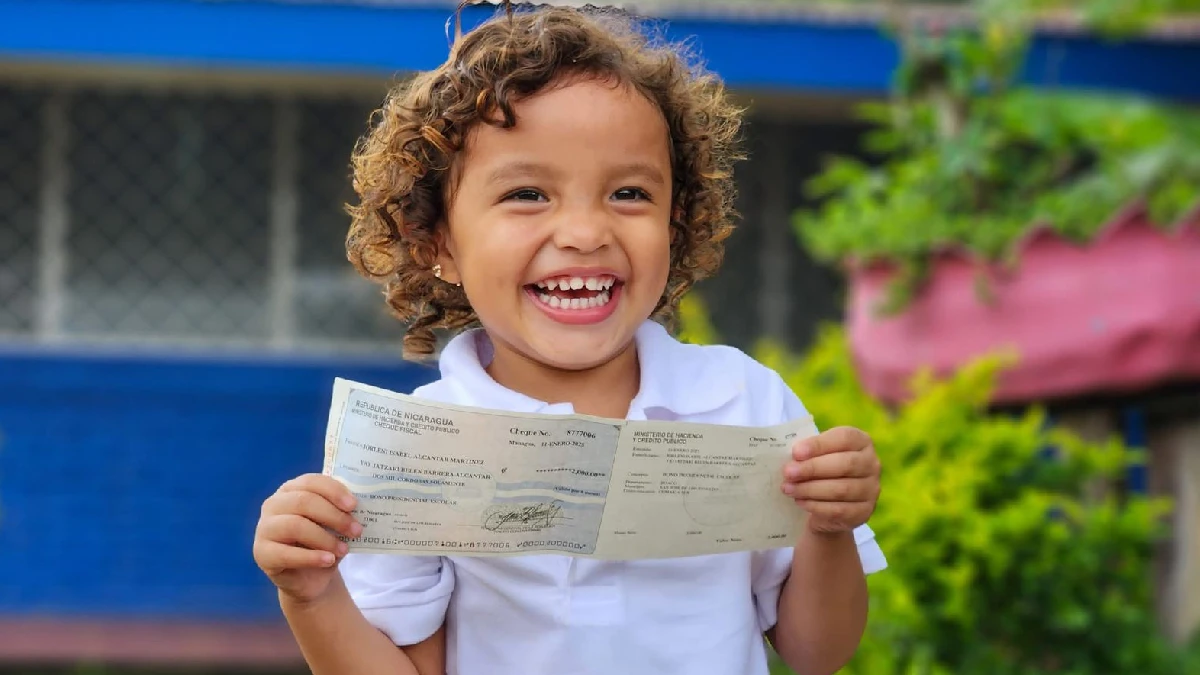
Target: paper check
point(434, 478)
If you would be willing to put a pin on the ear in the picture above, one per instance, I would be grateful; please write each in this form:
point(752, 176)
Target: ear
point(445, 256)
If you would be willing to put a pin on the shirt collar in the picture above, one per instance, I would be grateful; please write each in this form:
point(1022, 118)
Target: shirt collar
point(677, 379)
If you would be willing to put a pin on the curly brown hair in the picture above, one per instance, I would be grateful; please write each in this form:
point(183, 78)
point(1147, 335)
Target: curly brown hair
point(403, 167)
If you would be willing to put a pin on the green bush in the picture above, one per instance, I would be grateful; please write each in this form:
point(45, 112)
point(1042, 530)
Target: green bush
point(1002, 560)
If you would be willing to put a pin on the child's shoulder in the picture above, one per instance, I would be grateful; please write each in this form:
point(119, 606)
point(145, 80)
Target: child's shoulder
point(439, 390)
point(720, 361)
point(727, 371)
point(733, 362)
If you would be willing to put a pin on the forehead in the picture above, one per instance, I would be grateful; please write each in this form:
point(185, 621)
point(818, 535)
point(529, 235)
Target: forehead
point(608, 116)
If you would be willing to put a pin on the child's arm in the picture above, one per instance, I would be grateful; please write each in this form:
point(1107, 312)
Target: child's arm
point(295, 546)
point(822, 609)
point(335, 638)
point(823, 605)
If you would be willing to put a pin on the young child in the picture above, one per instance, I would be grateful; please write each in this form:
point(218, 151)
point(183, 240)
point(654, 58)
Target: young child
point(548, 195)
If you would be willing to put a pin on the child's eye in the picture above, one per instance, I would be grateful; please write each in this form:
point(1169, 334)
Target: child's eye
point(525, 195)
point(628, 193)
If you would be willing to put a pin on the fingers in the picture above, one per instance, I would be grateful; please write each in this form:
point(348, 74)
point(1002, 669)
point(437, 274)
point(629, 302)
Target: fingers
point(840, 465)
point(836, 516)
point(313, 507)
point(298, 530)
point(834, 476)
point(273, 556)
point(298, 524)
point(836, 440)
point(853, 490)
point(337, 494)
point(291, 542)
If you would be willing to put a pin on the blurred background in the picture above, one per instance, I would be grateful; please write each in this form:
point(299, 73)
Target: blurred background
point(972, 228)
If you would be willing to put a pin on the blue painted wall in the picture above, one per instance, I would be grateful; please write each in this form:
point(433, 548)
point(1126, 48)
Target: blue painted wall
point(783, 53)
point(130, 485)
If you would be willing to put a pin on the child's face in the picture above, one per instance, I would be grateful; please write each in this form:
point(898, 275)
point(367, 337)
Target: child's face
point(559, 229)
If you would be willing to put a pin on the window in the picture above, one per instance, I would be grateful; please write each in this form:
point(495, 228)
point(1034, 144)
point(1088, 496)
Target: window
point(200, 218)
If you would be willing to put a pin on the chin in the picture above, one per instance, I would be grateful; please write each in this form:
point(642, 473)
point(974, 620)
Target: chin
point(566, 346)
point(575, 357)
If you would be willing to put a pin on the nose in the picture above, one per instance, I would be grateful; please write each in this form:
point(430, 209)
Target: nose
point(583, 230)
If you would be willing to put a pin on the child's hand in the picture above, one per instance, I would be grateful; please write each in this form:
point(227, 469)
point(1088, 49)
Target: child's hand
point(293, 543)
point(835, 478)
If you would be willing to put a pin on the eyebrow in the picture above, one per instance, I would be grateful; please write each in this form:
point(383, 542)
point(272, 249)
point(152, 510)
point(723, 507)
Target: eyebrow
point(510, 170)
point(525, 169)
point(647, 171)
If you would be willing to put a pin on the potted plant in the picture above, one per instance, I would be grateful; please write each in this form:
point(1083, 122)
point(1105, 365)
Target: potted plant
point(1062, 226)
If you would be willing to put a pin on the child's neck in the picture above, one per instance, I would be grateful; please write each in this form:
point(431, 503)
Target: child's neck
point(603, 391)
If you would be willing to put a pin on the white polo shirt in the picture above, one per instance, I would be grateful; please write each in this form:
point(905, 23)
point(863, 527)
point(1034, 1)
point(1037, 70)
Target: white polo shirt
point(557, 615)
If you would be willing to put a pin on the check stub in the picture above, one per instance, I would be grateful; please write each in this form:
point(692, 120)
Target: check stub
point(440, 479)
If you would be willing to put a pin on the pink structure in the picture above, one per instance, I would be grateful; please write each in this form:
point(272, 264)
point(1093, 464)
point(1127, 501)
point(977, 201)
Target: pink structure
point(1118, 315)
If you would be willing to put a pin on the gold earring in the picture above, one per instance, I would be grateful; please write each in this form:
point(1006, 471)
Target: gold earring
point(437, 272)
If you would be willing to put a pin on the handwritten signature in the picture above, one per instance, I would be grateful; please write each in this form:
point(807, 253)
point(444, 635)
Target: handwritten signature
point(522, 517)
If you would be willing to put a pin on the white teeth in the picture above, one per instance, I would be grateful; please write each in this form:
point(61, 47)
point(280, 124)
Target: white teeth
point(599, 299)
point(555, 301)
point(577, 283)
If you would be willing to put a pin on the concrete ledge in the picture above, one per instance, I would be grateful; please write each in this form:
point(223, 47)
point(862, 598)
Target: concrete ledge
point(52, 640)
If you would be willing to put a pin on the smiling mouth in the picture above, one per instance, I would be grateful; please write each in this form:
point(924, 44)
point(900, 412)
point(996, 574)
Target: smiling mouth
point(575, 292)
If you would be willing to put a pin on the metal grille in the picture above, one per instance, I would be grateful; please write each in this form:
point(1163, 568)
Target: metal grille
point(169, 217)
point(327, 287)
point(203, 218)
point(20, 131)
